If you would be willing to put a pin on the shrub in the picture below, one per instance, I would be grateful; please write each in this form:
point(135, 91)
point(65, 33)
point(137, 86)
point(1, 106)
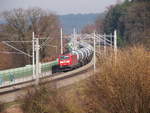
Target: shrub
point(44, 99)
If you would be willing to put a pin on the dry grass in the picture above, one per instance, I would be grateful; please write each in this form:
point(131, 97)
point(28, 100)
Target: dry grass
point(121, 86)
point(14, 109)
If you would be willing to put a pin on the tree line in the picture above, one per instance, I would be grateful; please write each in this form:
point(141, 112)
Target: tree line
point(132, 21)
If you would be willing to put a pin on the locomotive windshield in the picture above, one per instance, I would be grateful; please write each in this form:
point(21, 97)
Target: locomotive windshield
point(64, 57)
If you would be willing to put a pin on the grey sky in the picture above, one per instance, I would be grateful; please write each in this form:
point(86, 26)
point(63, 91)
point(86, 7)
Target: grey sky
point(59, 6)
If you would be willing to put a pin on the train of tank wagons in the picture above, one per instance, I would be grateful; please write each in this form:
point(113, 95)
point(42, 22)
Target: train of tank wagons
point(74, 59)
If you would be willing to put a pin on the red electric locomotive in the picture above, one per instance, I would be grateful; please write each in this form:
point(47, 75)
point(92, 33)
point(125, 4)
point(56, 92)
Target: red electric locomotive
point(74, 59)
point(67, 61)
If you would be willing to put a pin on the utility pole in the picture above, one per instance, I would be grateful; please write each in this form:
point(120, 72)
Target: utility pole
point(37, 48)
point(61, 41)
point(105, 44)
point(33, 55)
point(94, 53)
point(115, 44)
point(115, 41)
point(74, 39)
point(74, 33)
point(111, 40)
point(99, 45)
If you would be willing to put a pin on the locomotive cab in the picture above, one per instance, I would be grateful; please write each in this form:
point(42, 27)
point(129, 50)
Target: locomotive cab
point(64, 60)
point(67, 61)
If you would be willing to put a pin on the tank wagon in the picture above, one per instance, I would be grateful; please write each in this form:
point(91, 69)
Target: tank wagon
point(74, 59)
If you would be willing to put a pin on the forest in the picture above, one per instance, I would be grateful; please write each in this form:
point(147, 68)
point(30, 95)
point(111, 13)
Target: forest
point(132, 21)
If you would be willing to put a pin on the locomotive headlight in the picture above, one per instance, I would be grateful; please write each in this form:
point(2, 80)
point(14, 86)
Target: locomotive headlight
point(61, 62)
point(67, 61)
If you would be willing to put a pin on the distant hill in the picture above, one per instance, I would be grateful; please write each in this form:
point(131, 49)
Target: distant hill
point(77, 21)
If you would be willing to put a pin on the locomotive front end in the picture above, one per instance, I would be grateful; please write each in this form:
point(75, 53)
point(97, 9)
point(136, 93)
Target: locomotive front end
point(64, 60)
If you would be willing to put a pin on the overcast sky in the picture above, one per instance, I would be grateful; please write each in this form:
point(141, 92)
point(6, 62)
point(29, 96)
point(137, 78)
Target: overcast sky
point(59, 6)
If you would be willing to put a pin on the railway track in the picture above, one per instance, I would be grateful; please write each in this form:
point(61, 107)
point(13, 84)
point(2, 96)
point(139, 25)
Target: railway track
point(11, 93)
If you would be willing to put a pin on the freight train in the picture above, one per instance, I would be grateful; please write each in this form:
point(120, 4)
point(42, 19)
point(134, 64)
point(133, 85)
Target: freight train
point(74, 59)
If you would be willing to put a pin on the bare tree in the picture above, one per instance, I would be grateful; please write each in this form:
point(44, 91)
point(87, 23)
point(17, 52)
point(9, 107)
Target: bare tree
point(20, 23)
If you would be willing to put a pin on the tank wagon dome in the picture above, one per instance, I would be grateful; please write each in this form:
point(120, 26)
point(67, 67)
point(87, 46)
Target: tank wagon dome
point(84, 52)
point(70, 46)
